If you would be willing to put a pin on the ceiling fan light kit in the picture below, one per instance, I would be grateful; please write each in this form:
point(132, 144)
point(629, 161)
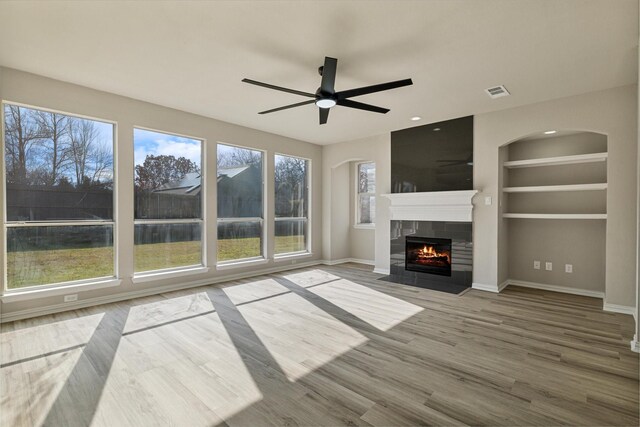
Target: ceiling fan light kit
point(326, 97)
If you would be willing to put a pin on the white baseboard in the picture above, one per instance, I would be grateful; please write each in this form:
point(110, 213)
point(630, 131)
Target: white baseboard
point(555, 288)
point(484, 287)
point(345, 260)
point(89, 302)
point(384, 271)
point(617, 308)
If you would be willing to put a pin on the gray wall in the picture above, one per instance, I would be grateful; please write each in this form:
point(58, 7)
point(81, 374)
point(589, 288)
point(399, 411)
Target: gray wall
point(21, 87)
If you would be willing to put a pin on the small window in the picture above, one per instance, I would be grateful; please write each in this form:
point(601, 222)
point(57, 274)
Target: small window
point(292, 205)
point(240, 203)
point(366, 197)
point(168, 201)
point(59, 221)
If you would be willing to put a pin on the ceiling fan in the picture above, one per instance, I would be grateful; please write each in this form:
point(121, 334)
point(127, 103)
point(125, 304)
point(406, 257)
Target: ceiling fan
point(326, 96)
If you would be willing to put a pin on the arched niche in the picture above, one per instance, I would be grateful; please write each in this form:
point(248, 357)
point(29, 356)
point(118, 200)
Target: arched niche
point(553, 209)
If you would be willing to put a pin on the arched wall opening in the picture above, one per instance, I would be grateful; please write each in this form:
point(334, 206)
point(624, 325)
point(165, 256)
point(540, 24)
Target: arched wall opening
point(552, 211)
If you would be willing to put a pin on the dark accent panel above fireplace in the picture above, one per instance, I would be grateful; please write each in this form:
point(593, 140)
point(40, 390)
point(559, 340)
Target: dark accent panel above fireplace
point(428, 255)
point(433, 157)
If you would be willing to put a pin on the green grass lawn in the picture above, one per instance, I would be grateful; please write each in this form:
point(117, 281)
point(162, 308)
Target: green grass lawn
point(31, 268)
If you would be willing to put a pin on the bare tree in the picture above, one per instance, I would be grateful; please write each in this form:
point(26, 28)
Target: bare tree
point(21, 139)
point(231, 157)
point(291, 183)
point(89, 158)
point(54, 131)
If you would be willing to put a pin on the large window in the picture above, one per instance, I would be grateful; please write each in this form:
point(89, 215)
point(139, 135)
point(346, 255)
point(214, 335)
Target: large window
point(168, 201)
point(292, 204)
point(366, 201)
point(240, 203)
point(58, 181)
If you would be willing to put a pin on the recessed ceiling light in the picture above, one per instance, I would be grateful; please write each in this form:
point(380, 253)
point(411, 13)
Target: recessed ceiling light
point(416, 118)
point(436, 129)
point(550, 132)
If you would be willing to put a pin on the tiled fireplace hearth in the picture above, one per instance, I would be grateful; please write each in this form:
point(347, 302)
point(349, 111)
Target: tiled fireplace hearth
point(437, 229)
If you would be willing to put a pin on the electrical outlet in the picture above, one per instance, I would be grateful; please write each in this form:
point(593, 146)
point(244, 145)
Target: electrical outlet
point(568, 268)
point(548, 266)
point(70, 298)
point(536, 265)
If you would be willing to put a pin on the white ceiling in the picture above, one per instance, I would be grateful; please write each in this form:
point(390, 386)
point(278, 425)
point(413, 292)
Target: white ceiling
point(192, 55)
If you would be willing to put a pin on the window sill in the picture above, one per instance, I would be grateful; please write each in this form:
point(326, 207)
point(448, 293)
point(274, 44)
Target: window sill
point(292, 255)
point(365, 226)
point(167, 274)
point(28, 294)
point(241, 263)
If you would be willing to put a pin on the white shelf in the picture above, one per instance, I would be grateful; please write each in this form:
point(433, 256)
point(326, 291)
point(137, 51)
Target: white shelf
point(554, 161)
point(554, 188)
point(554, 216)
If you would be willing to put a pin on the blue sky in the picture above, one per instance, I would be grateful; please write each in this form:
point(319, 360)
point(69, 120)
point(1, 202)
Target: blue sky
point(147, 142)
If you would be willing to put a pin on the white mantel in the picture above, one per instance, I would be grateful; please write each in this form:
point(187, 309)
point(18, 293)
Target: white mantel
point(432, 206)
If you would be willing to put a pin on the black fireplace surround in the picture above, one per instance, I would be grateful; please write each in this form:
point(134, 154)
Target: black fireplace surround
point(428, 255)
point(456, 237)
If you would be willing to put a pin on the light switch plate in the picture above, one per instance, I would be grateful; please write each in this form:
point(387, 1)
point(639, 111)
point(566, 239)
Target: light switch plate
point(536, 265)
point(487, 200)
point(548, 266)
point(568, 268)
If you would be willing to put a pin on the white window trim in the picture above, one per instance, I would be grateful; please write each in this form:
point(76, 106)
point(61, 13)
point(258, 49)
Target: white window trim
point(292, 255)
point(149, 275)
point(307, 252)
point(57, 289)
point(244, 262)
point(222, 265)
point(169, 273)
point(357, 223)
point(50, 289)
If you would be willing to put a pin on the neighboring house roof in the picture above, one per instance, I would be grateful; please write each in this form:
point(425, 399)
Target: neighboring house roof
point(191, 182)
point(188, 185)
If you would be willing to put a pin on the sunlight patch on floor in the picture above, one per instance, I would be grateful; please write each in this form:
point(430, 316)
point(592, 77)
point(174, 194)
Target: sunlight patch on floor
point(376, 308)
point(166, 310)
point(38, 340)
point(186, 373)
point(255, 290)
point(33, 384)
point(283, 324)
point(310, 278)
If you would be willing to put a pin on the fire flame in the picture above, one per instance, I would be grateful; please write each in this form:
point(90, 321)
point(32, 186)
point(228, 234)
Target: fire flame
point(430, 252)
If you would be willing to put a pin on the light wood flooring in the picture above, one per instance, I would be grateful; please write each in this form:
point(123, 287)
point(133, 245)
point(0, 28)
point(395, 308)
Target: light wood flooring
point(322, 346)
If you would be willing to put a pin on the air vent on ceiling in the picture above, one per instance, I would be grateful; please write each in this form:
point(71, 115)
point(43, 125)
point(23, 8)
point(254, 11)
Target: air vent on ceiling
point(497, 92)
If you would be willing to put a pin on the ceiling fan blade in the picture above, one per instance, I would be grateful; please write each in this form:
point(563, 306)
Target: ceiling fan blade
point(282, 89)
point(311, 101)
point(324, 115)
point(362, 106)
point(371, 89)
point(329, 75)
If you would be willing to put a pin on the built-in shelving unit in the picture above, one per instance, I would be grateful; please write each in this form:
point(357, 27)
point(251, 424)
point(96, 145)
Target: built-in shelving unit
point(579, 160)
point(556, 161)
point(554, 216)
point(553, 210)
point(554, 188)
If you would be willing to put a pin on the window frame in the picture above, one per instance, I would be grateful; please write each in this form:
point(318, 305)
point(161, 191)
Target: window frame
point(142, 276)
point(58, 288)
point(357, 219)
point(239, 262)
point(307, 250)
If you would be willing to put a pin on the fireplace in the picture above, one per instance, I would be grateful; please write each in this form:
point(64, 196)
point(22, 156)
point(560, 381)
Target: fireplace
point(428, 255)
